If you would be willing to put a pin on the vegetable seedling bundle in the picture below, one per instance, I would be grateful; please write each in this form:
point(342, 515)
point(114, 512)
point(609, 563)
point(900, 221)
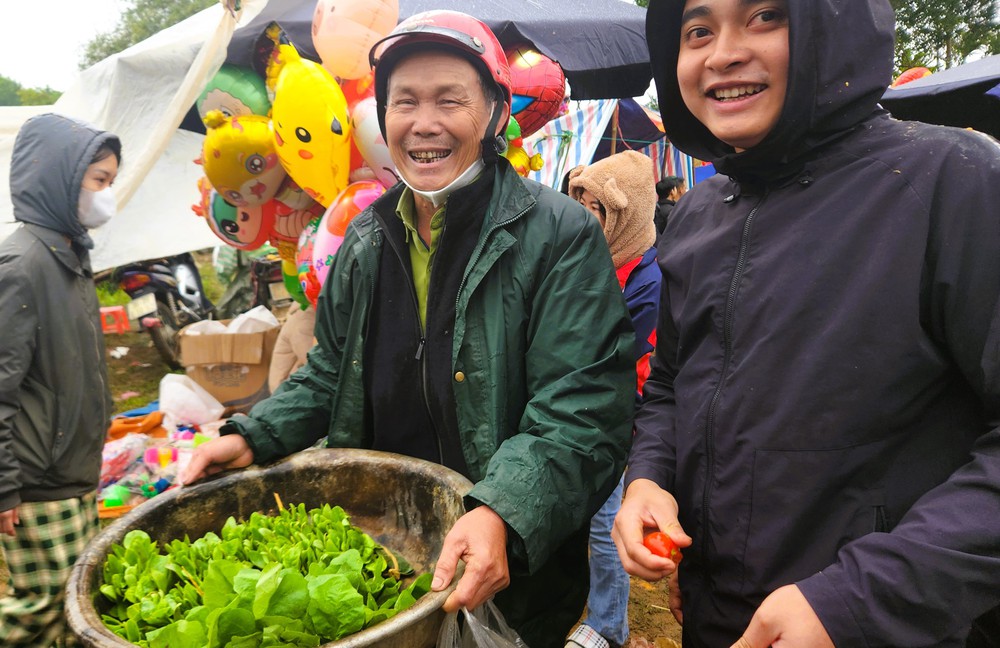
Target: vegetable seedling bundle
point(298, 578)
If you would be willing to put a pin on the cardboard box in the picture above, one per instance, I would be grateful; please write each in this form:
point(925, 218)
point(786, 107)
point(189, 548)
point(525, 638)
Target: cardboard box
point(233, 367)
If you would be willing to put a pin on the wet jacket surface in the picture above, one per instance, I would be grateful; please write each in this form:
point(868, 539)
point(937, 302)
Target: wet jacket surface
point(542, 359)
point(54, 398)
point(824, 401)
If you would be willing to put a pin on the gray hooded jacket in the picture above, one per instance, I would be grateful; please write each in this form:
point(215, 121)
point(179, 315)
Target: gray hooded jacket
point(54, 398)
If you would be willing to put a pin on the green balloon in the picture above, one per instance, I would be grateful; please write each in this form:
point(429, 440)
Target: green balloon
point(235, 91)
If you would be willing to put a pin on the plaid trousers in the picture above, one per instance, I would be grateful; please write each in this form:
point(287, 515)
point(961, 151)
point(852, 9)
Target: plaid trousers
point(50, 537)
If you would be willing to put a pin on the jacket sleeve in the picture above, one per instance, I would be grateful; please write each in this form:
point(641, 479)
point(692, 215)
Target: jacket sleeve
point(17, 346)
point(548, 479)
point(653, 452)
point(298, 413)
point(939, 568)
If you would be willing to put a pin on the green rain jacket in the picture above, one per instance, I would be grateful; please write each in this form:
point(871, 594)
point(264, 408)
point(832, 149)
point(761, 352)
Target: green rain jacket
point(542, 363)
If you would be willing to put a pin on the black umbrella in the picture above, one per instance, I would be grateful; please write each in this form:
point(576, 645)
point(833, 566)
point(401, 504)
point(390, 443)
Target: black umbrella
point(964, 96)
point(600, 44)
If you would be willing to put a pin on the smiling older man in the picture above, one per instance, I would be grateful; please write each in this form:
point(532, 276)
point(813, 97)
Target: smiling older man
point(471, 318)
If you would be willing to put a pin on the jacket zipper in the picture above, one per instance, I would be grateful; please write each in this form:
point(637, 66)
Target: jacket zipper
point(727, 338)
point(422, 359)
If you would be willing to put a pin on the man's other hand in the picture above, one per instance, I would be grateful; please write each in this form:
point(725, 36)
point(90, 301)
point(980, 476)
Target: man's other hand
point(479, 539)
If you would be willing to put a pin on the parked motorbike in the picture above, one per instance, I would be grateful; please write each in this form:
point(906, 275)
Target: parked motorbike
point(268, 281)
point(167, 295)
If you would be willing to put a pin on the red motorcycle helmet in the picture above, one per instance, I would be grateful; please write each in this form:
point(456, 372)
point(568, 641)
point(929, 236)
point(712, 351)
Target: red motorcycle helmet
point(467, 36)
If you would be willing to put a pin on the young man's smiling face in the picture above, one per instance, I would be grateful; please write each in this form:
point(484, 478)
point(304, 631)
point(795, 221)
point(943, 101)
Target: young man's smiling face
point(732, 67)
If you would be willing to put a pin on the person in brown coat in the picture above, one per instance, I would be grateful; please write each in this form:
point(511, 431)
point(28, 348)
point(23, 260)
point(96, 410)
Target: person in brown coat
point(620, 192)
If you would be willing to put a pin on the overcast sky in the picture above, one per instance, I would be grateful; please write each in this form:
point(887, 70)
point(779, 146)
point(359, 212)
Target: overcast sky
point(43, 40)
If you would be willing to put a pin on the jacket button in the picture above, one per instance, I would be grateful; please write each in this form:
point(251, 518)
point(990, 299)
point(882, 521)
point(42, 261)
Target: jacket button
point(459, 377)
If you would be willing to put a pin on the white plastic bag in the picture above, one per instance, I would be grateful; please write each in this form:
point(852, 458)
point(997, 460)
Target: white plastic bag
point(205, 327)
point(185, 402)
point(484, 627)
point(253, 321)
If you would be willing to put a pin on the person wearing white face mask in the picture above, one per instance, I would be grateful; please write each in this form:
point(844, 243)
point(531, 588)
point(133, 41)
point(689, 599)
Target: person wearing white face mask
point(471, 318)
point(54, 399)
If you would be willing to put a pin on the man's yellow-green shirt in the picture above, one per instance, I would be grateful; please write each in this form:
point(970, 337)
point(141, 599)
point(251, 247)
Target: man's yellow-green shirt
point(421, 254)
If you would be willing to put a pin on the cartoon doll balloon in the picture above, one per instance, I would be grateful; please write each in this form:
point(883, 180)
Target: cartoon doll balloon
point(240, 159)
point(234, 91)
point(311, 126)
point(244, 228)
point(303, 261)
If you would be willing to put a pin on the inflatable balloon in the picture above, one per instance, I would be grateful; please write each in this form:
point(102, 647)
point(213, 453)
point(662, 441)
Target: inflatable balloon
point(368, 138)
point(351, 202)
point(303, 261)
point(291, 195)
point(239, 158)
point(357, 89)
point(290, 277)
point(910, 75)
point(245, 228)
point(289, 222)
point(515, 153)
point(539, 86)
point(311, 125)
point(343, 31)
point(234, 91)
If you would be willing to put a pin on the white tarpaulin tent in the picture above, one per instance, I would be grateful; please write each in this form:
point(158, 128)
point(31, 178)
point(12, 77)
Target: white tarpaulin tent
point(142, 94)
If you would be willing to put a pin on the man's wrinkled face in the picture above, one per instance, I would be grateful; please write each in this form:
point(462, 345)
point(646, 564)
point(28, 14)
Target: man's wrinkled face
point(732, 67)
point(436, 116)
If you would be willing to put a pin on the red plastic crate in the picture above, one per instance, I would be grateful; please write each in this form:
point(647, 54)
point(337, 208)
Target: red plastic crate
point(114, 319)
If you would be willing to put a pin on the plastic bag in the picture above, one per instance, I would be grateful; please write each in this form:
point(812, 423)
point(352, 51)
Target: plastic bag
point(185, 402)
point(254, 320)
point(484, 627)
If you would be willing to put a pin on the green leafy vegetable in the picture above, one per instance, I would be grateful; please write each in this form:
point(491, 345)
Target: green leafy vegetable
point(298, 578)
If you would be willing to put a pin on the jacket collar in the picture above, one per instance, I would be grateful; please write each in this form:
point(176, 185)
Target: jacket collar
point(75, 258)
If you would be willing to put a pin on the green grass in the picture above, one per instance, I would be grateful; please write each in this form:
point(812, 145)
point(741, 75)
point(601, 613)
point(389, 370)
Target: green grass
point(110, 294)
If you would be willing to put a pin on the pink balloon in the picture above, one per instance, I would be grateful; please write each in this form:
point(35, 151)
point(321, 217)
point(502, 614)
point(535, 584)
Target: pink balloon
point(344, 30)
point(370, 143)
point(330, 234)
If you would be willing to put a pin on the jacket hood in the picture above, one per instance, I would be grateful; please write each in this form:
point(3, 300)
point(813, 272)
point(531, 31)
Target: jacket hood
point(624, 183)
point(840, 63)
point(50, 156)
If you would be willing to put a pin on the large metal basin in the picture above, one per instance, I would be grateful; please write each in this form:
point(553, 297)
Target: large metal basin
point(407, 504)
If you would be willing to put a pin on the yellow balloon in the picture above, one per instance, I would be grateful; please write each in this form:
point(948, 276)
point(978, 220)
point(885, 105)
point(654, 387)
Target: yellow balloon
point(521, 161)
point(240, 159)
point(311, 124)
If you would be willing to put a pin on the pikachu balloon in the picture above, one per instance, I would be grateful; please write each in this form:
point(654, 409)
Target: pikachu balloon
point(310, 121)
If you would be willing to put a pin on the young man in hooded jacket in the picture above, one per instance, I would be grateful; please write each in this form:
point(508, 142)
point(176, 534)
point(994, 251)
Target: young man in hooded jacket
point(819, 430)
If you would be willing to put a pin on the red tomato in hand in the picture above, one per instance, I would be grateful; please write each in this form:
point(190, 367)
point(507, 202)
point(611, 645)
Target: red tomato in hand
point(660, 544)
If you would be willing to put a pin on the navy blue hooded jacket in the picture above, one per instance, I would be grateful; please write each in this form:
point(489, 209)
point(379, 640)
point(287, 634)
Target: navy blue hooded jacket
point(824, 401)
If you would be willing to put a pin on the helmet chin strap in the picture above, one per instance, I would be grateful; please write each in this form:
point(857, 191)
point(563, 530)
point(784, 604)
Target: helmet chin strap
point(492, 146)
